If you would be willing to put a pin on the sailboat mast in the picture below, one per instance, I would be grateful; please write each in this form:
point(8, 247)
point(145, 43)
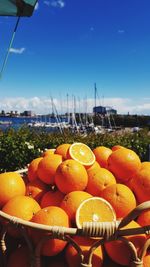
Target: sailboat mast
point(95, 94)
point(68, 120)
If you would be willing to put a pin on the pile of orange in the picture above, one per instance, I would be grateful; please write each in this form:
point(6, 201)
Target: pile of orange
point(71, 185)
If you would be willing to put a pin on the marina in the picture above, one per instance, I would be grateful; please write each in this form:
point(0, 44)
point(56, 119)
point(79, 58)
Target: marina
point(74, 123)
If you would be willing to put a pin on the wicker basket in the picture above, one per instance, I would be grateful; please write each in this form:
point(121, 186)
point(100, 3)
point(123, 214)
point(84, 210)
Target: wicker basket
point(105, 232)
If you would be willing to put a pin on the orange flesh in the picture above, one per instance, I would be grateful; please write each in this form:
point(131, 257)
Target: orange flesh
point(82, 153)
point(96, 210)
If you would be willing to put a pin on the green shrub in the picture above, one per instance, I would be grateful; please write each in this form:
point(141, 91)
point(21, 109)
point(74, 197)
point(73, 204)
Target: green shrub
point(18, 148)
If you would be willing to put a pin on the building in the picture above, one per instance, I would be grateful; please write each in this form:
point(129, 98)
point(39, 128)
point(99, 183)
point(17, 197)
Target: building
point(99, 110)
point(104, 110)
point(111, 111)
point(27, 113)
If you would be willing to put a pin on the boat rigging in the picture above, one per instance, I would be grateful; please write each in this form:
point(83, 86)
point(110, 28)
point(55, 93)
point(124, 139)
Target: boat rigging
point(15, 8)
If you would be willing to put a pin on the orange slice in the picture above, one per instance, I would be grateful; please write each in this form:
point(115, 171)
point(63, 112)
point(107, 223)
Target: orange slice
point(95, 209)
point(82, 153)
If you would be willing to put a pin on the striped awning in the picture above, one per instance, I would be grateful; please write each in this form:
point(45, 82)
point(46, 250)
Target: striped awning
point(20, 8)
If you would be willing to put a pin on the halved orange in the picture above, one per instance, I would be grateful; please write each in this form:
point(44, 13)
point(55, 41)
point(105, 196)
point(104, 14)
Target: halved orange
point(94, 209)
point(82, 153)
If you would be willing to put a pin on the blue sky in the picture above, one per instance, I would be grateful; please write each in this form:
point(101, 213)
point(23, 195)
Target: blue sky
point(67, 46)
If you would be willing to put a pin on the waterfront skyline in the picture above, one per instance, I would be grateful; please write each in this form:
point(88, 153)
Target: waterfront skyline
point(67, 46)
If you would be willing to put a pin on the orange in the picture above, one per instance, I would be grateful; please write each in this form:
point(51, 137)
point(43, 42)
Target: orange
point(82, 153)
point(94, 209)
point(146, 259)
point(118, 250)
point(36, 189)
point(124, 163)
point(145, 164)
point(63, 150)
point(32, 169)
point(99, 180)
point(102, 153)
point(48, 152)
point(22, 207)
point(73, 258)
point(144, 218)
point(71, 176)
point(141, 185)
point(11, 185)
point(53, 216)
point(121, 198)
point(116, 147)
point(93, 167)
point(71, 202)
point(129, 183)
point(52, 198)
point(47, 168)
point(20, 257)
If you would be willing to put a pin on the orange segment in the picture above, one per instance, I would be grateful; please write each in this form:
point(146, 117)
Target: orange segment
point(94, 209)
point(82, 153)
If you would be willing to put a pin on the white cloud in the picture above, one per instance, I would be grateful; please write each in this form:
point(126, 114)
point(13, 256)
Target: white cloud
point(55, 3)
point(17, 50)
point(44, 106)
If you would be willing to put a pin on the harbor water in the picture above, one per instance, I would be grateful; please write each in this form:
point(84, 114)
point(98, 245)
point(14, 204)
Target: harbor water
point(18, 122)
